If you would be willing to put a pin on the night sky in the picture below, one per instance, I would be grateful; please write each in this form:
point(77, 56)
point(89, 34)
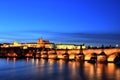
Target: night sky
point(92, 22)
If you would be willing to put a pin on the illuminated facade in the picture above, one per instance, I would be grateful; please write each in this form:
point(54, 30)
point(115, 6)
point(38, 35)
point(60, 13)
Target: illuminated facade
point(69, 46)
point(43, 43)
point(40, 43)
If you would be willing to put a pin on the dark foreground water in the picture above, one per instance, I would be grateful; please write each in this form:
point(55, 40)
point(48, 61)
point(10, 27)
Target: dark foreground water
point(39, 69)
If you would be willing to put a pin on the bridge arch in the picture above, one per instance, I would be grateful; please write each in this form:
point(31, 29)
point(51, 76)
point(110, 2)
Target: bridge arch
point(112, 56)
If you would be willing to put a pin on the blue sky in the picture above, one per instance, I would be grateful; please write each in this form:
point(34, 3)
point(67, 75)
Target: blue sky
point(93, 22)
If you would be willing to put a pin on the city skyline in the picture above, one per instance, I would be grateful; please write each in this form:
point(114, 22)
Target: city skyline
point(92, 22)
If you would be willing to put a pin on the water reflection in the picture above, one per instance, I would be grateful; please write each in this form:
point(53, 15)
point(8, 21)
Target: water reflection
point(40, 69)
point(11, 59)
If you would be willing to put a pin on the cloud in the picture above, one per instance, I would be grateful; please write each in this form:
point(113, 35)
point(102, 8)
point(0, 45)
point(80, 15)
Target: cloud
point(76, 34)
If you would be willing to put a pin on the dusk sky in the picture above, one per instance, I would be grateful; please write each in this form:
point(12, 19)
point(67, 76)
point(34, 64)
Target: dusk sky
point(92, 22)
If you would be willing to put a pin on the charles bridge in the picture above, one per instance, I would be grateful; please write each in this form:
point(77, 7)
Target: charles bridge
point(110, 52)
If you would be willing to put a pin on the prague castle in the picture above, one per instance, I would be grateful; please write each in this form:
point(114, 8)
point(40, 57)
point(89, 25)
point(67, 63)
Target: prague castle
point(44, 44)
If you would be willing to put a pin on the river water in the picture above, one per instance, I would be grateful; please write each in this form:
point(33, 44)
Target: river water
point(40, 69)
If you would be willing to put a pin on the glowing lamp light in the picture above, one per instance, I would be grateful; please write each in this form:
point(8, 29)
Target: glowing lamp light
point(116, 45)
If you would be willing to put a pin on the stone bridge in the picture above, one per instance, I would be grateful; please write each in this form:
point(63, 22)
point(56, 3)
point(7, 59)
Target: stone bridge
point(111, 53)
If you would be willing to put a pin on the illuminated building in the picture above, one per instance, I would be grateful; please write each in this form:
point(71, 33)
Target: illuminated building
point(69, 46)
point(40, 43)
point(43, 43)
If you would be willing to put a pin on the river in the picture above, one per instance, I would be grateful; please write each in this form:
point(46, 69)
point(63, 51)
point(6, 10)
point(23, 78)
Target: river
point(40, 69)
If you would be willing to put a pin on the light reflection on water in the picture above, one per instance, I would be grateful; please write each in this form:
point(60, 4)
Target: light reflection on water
point(40, 69)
